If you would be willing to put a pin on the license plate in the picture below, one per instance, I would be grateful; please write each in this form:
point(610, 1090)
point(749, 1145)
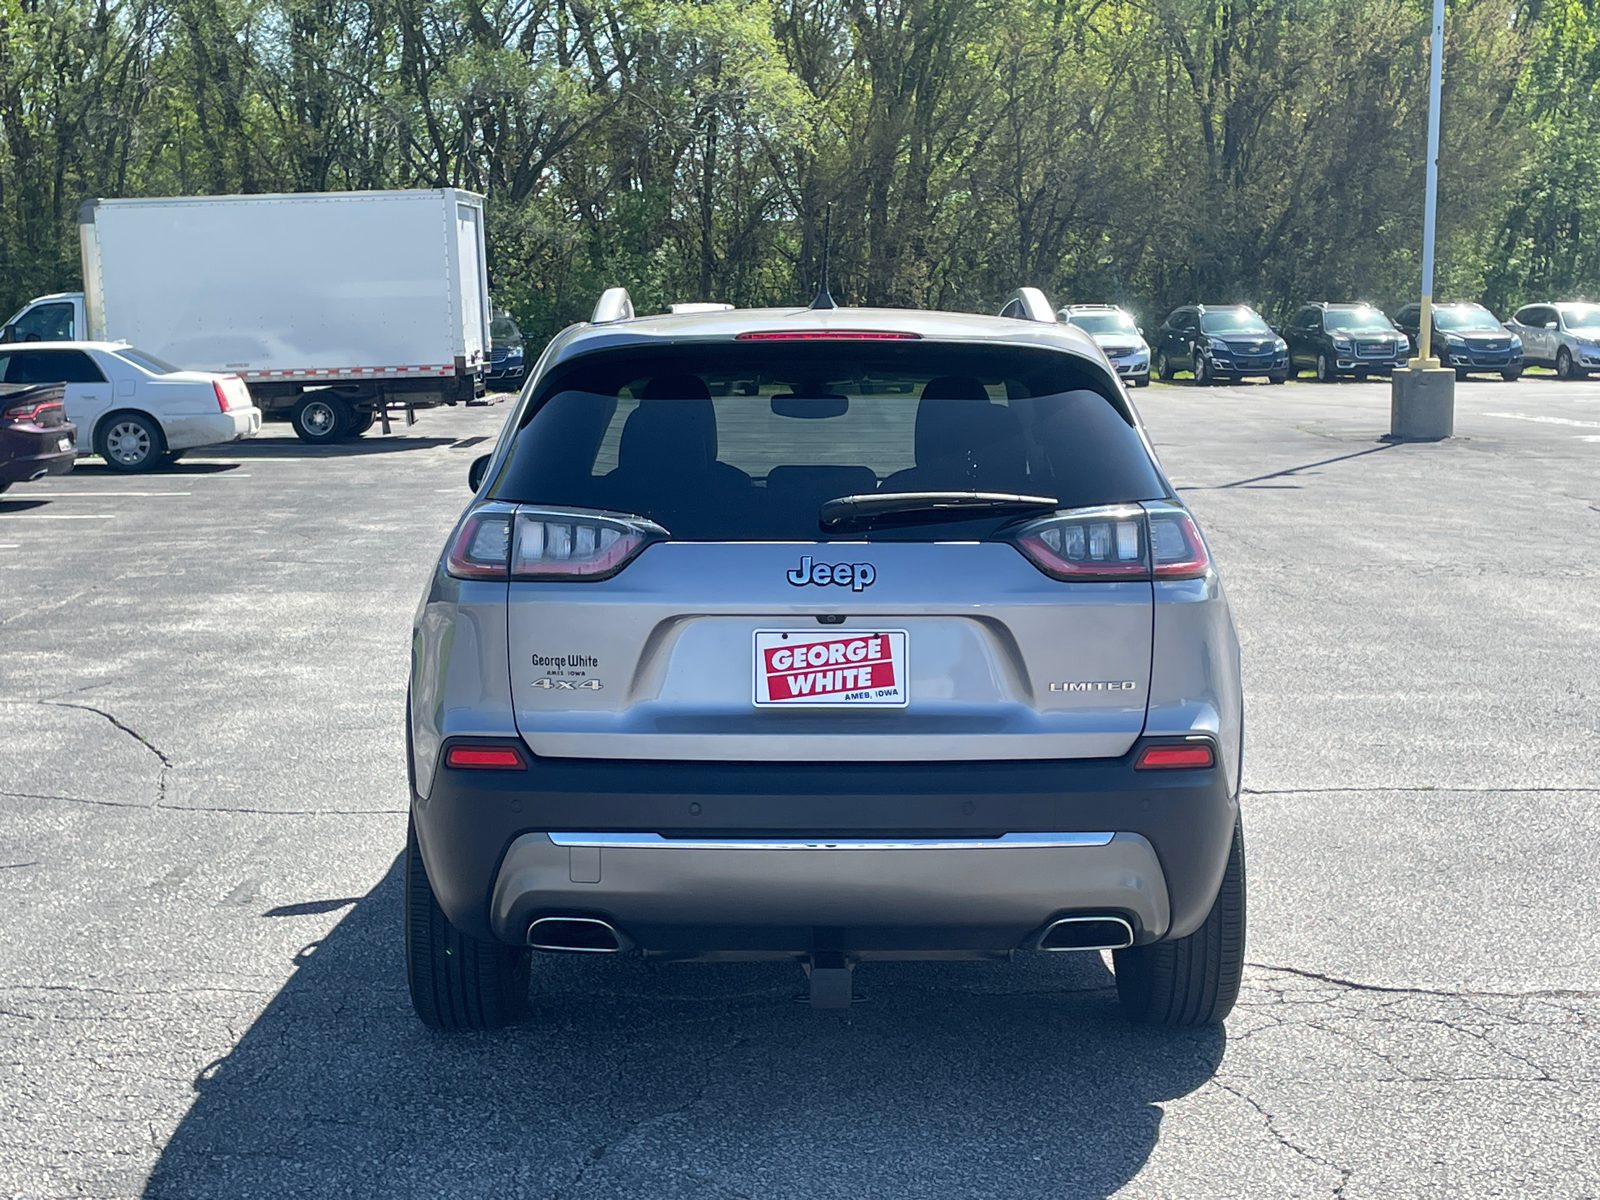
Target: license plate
point(859, 669)
point(64, 443)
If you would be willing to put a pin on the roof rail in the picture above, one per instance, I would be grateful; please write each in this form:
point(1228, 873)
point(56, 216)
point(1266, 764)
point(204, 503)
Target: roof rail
point(1029, 304)
point(699, 306)
point(614, 305)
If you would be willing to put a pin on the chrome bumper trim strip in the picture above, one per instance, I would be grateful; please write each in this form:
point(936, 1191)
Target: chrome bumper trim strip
point(1009, 841)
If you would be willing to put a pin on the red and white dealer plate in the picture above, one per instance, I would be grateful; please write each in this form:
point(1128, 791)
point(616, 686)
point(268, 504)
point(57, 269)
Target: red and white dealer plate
point(817, 670)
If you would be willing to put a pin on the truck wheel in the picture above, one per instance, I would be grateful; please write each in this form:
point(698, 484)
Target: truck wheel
point(1192, 980)
point(130, 442)
point(362, 422)
point(319, 418)
point(457, 982)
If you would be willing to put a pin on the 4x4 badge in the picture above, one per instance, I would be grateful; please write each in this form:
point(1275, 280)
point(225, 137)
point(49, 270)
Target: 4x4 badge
point(854, 576)
point(569, 685)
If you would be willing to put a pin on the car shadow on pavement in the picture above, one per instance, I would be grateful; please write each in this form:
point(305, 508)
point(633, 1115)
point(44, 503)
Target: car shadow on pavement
point(646, 1079)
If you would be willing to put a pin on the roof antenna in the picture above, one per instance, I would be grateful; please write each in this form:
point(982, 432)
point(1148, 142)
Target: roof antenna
point(824, 300)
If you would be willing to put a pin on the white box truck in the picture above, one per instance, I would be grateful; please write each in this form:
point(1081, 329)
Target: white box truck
point(333, 306)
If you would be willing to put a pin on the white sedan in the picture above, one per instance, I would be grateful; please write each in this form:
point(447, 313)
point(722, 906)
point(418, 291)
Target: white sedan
point(132, 409)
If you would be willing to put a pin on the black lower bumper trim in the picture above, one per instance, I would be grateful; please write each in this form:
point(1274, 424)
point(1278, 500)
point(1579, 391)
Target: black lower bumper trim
point(470, 817)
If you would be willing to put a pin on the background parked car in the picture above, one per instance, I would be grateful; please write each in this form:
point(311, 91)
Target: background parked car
point(1565, 336)
point(131, 408)
point(1118, 334)
point(506, 362)
point(1467, 337)
point(36, 438)
point(1343, 339)
point(1213, 341)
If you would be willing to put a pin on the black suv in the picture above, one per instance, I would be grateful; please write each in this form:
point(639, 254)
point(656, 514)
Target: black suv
point(1220, 341)
point(1343, 339)
point(1467, 337)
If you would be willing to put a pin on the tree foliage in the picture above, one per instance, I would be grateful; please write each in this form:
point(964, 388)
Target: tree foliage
point(1148, 152)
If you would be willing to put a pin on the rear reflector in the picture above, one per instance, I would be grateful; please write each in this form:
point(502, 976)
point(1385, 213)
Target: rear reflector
point(818, 335)
point(1193, 754)
point(484, 758)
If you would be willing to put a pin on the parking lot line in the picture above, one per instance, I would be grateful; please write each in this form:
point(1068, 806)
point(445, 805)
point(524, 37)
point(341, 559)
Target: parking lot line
point(58, 516)
point(1546, 420)
point(52, 494)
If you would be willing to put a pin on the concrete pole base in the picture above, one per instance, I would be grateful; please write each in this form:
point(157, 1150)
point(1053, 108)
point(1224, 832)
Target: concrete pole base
point(1422, 404)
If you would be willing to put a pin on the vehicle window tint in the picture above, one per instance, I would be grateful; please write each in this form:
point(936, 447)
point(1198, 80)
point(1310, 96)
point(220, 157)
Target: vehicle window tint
point(148, 362)
point(1307, 317)
point(48, 366)
point(745, 443)
point(47, 323)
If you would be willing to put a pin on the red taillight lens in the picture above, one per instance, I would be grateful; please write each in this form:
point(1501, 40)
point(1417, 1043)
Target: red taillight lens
point(31, 411)
point(822, 335)
point(1088, 544)
point(1190, 754)
point(482, 547)
point(559, 544)
point(222, 396)
point(1178, 549)
point(231, 393)
point(485, 758)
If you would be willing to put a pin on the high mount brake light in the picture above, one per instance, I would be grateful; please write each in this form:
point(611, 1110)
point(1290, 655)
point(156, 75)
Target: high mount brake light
point(548, 544)
point(1179, 550)
point(1088, 544)
point(1191, 755)
point(825, 335)
point(485, 758)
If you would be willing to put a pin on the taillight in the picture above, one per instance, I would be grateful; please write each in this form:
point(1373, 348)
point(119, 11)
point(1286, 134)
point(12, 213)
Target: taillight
point(222, 396)
point(1177, 547)
point(485, 758)
point(29, 411)
point(562, 544)
point(482, 546)
point(1088, 543)
point(1189, 755)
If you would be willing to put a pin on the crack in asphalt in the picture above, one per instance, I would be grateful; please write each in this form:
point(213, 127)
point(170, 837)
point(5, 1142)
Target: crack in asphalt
point(1477, 791)
point(1357, 986)
point(212, 808)
point(1271, 1124)
point(166, 762)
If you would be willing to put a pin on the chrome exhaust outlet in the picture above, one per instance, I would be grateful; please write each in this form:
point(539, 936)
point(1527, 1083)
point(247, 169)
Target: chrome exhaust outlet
point(1087, 933)
point(580, 935)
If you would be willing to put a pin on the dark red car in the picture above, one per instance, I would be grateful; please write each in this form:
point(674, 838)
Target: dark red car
point(35, 436)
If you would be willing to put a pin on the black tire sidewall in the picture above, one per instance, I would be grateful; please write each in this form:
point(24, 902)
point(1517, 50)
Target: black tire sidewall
point(341, 419)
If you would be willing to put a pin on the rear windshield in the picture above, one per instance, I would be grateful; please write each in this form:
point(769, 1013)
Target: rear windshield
point(1104, 322)
point(746, 442)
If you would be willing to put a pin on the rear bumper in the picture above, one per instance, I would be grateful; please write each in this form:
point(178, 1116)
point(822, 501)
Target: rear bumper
point(484, 839)
point(36, 453)
point(210, 429)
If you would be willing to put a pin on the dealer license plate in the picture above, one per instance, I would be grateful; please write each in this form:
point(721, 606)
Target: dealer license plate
point(858, 669)
point(64, 444)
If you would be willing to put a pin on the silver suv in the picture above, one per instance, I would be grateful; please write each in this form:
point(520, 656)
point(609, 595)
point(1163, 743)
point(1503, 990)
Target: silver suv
point(1563, 336)
point(828, 635)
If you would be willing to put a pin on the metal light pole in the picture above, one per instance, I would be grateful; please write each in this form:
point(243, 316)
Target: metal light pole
point(1430, 204)
point(1422, 395)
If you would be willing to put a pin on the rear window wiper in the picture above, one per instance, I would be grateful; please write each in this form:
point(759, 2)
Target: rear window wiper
point(914, 508)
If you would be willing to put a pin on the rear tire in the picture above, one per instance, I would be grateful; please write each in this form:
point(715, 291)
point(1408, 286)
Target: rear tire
point(1511, 376)
point(1278, 377)
point(320, 418)
point(457, 982)
point(1192, 980)
point(361, 422)
point(130, 442)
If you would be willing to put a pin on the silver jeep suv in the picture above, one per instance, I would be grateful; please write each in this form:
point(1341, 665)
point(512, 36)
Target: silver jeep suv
point(829, 635)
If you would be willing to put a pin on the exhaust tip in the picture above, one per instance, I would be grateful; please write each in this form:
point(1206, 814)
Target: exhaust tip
point(582, 935)
point(1087, 933)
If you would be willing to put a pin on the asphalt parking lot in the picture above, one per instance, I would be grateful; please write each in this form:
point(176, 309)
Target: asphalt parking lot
point(201, 694)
